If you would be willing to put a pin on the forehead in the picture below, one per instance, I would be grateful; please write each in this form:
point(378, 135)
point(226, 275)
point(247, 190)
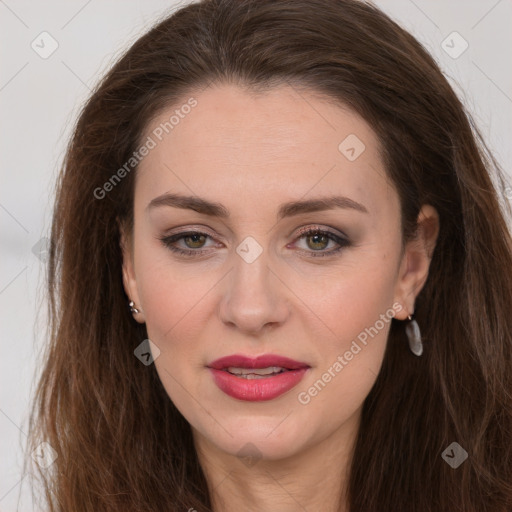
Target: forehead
point(252, 150)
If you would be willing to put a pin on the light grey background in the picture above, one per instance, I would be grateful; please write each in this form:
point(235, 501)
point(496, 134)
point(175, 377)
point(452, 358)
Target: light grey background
point(40, 98)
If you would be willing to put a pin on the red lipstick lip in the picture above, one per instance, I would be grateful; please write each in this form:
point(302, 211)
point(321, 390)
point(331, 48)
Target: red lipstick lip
point(263, 361)
point(257, 389)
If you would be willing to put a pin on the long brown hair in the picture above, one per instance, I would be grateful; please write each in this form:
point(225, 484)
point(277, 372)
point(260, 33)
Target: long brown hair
point(120, 442)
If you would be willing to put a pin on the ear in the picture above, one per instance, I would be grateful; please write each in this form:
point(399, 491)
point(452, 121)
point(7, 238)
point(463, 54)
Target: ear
point(129, 280)
point(416, 260)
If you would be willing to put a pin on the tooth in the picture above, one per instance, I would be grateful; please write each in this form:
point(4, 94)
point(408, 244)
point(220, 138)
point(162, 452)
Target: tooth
point(253, 376)
point(257, 372)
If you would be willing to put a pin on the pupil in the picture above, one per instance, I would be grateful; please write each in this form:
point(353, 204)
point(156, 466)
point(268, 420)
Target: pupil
point(194, 238)
point(316, 236)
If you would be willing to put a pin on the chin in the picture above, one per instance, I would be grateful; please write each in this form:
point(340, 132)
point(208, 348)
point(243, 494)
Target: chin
point(268, 438)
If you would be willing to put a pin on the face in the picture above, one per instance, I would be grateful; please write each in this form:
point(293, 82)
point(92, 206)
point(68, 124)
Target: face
point(255, 265)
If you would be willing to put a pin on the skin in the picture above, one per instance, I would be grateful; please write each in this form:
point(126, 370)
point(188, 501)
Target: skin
point(252, 153)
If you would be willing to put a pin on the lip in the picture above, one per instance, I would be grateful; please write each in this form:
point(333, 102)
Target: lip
point(261, 389)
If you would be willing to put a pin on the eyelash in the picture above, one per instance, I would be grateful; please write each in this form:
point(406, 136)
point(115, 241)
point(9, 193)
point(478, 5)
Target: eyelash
point(342, 242)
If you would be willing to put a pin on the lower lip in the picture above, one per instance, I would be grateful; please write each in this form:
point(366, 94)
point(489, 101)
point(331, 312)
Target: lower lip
point(257, 390)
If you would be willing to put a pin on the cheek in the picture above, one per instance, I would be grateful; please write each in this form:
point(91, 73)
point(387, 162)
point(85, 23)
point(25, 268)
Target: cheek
point(355, 314)
point(348, 302)
point(351, 351)
point(167, 290)
point(172, 304)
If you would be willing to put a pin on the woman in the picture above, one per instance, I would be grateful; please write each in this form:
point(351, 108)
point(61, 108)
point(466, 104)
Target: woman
point(280, 277)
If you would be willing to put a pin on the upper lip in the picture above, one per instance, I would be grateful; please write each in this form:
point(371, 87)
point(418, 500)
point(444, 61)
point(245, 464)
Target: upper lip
point(263, 361)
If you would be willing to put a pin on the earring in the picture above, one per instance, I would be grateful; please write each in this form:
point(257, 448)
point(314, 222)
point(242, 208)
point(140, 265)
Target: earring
point(414, 336)
point(132, 308)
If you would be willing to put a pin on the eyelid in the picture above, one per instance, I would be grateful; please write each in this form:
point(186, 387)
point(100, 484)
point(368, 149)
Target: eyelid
point(319, 227)
point(300, 230)
point(189, 230)
point(203, 230)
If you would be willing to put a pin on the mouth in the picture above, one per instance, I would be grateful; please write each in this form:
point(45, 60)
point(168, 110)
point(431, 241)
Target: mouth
point(257, 379)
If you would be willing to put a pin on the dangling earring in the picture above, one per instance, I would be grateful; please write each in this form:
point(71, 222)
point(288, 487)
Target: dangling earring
point(414, 336)
point(132, 308)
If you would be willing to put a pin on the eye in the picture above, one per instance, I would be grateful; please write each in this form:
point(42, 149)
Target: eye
point(193, 239)
point(320, 238)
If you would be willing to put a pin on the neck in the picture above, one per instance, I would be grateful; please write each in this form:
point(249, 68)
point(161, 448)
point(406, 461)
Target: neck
point(315, 478)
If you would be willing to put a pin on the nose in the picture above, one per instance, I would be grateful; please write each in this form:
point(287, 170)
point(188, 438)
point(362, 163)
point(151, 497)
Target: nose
point(254, 296)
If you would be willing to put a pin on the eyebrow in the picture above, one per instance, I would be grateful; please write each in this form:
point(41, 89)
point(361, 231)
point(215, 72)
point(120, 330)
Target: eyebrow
point(288, 209)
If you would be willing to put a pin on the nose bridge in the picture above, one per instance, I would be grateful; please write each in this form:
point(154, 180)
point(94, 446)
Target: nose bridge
point(252, 298)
